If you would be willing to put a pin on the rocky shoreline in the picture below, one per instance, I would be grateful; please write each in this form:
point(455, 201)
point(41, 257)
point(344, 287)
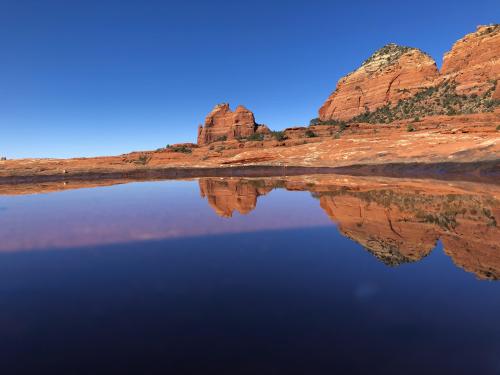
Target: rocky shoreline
point(484, 172)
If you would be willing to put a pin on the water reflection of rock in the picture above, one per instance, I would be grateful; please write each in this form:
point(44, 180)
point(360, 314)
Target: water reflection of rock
point(385, 231)
point(397, 221)
point(228, 195)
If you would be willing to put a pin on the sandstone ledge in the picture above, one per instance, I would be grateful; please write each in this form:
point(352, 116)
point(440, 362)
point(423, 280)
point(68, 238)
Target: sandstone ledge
point(432, 141)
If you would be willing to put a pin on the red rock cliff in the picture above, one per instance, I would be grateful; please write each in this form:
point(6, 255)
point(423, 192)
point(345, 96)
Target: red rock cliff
point(474, 61)
point(222, 123)
point(390, 74)
point(470, 69)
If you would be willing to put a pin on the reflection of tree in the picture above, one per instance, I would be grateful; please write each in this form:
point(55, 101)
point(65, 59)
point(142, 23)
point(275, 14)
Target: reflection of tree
point(397, 223)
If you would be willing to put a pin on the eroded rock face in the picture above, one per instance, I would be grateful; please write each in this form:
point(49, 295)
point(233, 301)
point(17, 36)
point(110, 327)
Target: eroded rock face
point(390, 74)
point(408, 78)
point(474, 61)
point(224, 124)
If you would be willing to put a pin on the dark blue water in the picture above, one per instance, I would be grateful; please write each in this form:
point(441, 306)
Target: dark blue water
point(285, 300)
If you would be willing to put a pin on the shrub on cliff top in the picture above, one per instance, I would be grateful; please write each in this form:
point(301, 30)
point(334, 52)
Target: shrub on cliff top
point(391, 51)
point(183, 149)
point(315, 121)
point(490, 29)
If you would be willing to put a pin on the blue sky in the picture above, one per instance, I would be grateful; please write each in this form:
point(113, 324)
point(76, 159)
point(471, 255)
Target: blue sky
point(83, 78)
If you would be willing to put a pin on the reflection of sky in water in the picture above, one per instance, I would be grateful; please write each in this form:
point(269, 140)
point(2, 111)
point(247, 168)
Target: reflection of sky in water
point(138, 211)
point(279, 290)
point(313, 299)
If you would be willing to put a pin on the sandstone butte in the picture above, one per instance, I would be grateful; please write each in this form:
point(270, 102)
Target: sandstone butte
point(396, 108)
point(224, 124)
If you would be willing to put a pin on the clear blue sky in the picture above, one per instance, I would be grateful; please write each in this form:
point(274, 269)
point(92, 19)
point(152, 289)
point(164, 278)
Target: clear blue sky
point(101, 77)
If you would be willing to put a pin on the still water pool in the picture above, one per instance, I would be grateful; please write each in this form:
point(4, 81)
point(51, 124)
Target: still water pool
point(312, 274)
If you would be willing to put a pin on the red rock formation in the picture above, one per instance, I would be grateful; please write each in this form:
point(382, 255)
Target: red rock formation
point(474, 61)
point(393, 73)
point(224, 124)
point(390, 74)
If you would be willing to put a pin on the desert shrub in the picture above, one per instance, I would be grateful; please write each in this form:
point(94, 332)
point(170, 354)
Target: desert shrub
point(341, 124)
point(221, 138)
point(278, 135)
point(392, 50)
point(183, 149)
point(410, 128)
point(256, 137)
point(310, 133)
point(451, 112)
point(315, 121)
point(142, 160)
point(437, 100)
point(498, 129)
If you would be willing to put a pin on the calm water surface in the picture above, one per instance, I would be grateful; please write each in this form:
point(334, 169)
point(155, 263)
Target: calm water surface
point(298, 275)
